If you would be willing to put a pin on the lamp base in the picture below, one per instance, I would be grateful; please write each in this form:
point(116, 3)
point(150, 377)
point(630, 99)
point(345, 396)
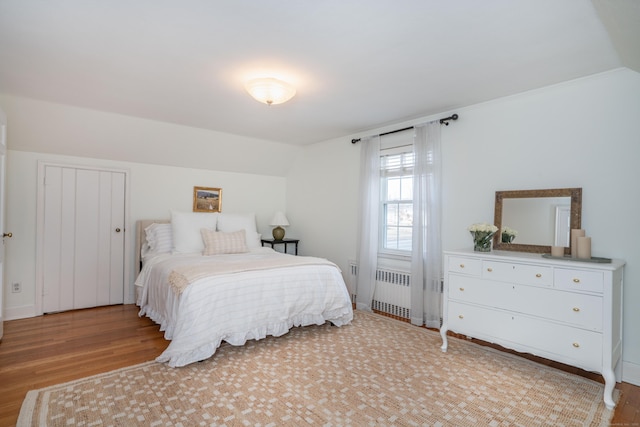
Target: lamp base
point(278, 233)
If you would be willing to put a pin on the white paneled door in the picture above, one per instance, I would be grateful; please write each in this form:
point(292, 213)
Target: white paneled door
point(83, 238)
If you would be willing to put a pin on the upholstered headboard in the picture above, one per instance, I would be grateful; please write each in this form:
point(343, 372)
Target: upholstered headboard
point(141, 238)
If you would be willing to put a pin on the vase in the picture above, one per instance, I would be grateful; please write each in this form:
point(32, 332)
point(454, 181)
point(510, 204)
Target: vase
point(482, 240)
point(507, 238)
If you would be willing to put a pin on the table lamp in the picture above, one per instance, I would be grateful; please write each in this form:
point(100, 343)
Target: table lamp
point(279, 220)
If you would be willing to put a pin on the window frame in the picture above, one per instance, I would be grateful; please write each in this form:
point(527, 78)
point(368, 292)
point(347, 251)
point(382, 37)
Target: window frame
point(405, 147)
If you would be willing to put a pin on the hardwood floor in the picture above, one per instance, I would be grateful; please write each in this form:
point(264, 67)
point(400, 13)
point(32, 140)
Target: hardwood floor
point(56, 348)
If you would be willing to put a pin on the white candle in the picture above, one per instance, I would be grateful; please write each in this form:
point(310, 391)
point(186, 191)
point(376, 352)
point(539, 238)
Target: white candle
point(557, 251)
point(575, 233)
point(584, 247)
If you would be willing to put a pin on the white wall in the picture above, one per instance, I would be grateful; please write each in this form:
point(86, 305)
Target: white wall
point(583, 133)
point(44, 127)
point(323, 186)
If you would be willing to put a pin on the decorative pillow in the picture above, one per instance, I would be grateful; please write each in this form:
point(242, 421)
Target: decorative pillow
point(159, 238)
point(234, 222)
point(186, 228)
point(219, 242)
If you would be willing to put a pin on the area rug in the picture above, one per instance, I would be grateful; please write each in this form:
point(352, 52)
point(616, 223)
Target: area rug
point(374, 372)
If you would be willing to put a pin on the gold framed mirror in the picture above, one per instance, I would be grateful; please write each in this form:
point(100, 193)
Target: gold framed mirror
point(542, 218)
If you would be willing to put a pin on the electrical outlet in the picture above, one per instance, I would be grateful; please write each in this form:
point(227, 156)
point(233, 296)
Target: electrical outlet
point(16, 287)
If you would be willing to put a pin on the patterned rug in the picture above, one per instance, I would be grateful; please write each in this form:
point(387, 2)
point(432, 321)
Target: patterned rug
point(376, 371)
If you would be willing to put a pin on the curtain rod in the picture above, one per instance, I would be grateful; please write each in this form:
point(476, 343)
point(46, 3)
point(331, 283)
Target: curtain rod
point(444, 121)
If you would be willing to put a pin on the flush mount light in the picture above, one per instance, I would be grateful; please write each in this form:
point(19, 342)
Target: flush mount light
point(270, 91)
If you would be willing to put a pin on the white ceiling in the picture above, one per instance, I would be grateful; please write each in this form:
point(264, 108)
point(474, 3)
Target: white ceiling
point(357, 64)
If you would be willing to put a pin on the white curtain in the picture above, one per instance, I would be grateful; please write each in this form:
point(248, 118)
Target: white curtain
point(367, 249)
point(426, 255)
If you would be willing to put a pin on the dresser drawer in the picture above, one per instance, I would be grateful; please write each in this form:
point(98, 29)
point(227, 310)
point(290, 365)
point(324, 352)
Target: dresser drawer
point(481, 292)
point(481, 322)
point(580, 310)
point(579, 280)
point(563, 343)
point(465, 266)
point(518, 273)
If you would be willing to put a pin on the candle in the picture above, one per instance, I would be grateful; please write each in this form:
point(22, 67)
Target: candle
point(584, 247)
point(557, 251)
point(575, 233)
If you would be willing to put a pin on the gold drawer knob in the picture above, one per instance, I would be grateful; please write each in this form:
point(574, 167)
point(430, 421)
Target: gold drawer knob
point(489, 269)
point(462, 289)
point(461, 265)
point(576, 345)
point(576, 309)
point(461, 316)
point(538, 275)
point(576, 280)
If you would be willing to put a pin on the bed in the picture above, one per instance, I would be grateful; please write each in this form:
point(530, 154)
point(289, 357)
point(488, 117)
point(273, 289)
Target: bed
point(205, 278)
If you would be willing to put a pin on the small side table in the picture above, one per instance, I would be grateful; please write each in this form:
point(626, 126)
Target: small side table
point(285, 242)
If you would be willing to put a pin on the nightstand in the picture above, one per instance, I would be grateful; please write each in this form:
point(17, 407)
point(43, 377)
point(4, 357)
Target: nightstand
point(285, 242)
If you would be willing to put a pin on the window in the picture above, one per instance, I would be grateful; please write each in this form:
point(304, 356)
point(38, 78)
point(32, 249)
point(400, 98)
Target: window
point(396, 197)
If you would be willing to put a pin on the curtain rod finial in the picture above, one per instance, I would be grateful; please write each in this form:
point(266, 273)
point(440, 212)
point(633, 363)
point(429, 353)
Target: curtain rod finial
point(445, 121)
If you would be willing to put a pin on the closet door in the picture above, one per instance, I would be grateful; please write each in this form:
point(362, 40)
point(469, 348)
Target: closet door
point(83, 238)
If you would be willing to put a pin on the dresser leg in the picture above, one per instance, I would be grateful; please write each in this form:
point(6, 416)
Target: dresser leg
point(609, 385)
point(443, 334)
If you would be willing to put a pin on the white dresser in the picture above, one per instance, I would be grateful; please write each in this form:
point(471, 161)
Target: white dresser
point(567, 311)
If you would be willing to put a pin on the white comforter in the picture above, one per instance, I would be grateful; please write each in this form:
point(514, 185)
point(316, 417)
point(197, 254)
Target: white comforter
point(240, 306)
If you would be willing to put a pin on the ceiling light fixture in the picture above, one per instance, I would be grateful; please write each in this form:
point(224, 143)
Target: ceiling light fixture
point(270, 91)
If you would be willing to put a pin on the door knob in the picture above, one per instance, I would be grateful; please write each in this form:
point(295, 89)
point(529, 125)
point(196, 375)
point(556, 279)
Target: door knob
point(7, 235)
point(117, 230)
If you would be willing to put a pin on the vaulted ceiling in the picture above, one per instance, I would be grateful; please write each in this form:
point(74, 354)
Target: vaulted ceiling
point(356, 64)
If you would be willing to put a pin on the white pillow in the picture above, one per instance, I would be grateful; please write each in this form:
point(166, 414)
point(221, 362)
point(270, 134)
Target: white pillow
point(233, 222)
point(253, 239)
point(159, 238)
point(186, 228)
point(145, 251)
point(219, 242)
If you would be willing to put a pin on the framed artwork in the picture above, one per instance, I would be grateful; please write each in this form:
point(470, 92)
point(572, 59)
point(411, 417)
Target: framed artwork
point(207, 199)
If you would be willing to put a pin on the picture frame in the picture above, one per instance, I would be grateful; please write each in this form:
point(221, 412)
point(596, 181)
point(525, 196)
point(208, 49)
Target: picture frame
point(207, 199)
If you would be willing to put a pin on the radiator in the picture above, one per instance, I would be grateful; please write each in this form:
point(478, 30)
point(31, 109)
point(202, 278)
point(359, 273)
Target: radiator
point(392, 293)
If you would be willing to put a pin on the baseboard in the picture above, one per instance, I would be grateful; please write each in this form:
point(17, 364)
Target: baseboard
point(631, 373)
point(24, 311)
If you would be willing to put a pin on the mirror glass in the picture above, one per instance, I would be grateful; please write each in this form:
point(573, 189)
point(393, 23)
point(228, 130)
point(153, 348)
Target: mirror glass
point(542, 218)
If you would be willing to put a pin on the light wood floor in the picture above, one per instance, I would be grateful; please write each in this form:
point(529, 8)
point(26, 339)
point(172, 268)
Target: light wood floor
point(56, 348)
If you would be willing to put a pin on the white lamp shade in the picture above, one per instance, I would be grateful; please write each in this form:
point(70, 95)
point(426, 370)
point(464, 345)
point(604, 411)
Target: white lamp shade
point(279, 220)
point(270, 91)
